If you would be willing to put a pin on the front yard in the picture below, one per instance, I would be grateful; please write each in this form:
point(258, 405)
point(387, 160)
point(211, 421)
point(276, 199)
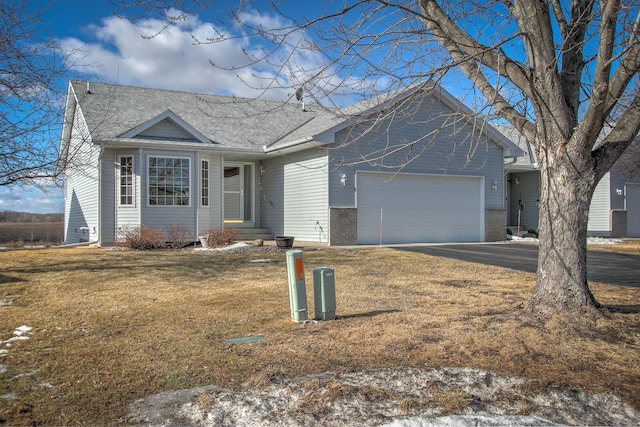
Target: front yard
point(111, 327)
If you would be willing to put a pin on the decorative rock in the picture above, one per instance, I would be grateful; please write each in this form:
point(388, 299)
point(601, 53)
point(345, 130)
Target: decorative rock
point(258, 242)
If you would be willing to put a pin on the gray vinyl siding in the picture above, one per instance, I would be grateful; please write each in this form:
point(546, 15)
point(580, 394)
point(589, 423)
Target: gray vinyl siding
point(600, 208)
point(108, 185)
point(616, 183)
point(164, 217)
point(82, 186)
point(294, 193)
point(525, 187)
point(423, 130)
point(210, 216)
point(167, 130)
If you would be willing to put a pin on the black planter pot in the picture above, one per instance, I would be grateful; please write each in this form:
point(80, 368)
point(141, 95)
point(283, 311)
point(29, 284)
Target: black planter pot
point(284, 242)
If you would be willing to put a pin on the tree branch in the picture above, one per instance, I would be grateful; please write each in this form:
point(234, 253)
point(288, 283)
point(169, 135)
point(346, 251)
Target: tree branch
point(620, 137)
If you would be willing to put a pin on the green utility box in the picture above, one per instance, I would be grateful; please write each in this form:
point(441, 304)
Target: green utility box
point(324, 293)
point(297, 287)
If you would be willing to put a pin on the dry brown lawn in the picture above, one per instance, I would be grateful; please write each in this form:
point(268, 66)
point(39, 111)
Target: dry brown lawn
point(110, 327)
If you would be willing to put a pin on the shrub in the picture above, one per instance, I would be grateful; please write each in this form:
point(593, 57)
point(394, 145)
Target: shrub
point(141, 237)
point(218, 237)
point(180, 236)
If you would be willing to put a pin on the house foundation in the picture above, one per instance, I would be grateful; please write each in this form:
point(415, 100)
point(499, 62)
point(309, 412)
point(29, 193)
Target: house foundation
point(495, 221)
point(343, 226)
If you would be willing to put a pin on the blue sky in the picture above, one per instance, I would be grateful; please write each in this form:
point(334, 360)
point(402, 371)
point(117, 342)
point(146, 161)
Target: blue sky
point(114, 50)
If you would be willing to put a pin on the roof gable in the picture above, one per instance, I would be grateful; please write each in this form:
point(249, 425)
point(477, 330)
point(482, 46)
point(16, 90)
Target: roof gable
point(166, 126)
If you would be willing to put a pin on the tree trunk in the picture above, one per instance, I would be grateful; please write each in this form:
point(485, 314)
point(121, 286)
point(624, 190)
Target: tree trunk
point(567, 187)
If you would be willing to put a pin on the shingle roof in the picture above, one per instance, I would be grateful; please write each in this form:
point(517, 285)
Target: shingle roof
point(112, 110)
point(528, 160)
point(231, 123)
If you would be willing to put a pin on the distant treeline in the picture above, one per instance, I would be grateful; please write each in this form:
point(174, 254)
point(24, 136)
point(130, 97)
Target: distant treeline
point(12, 216)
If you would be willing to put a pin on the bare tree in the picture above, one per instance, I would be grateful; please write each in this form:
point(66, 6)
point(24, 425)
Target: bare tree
point(33, 69)
point(561, 72)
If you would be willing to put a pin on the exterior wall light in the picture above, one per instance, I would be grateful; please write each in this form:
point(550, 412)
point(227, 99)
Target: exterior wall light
point(343, 179)
point(494, 186)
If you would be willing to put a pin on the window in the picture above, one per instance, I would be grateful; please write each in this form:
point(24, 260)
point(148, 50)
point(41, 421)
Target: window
point(168, 181)
point(204, 171)
point(126, 180)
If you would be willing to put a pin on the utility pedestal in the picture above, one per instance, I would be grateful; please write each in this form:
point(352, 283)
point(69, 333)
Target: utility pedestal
point(297, 287)
point(324, 293)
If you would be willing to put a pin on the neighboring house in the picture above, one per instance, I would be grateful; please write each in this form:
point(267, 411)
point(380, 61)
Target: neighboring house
point(137, 156)
point(614, 210)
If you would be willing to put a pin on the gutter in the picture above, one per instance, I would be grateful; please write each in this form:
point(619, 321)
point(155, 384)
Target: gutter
point(268, 150)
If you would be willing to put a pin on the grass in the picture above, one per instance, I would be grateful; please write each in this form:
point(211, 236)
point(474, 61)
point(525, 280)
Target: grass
point(111, 327)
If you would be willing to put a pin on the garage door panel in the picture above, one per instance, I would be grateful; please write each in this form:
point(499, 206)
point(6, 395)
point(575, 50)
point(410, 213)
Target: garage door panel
point(419, 208)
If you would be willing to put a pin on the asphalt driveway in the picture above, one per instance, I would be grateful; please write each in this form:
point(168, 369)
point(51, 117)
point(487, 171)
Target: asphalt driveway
point(605, 267)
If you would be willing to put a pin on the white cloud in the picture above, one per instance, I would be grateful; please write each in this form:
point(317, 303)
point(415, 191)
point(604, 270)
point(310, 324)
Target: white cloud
point(31, 199)
point(180, 56)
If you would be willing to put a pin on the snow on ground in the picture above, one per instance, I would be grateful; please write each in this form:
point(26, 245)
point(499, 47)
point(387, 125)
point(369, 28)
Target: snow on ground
point(400, 397)
point(223, 249)
point(19, 335)
point(590, 240)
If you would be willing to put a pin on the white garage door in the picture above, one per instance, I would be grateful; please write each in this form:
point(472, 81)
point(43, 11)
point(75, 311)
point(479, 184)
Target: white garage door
point(411, 208)
point(632, 193)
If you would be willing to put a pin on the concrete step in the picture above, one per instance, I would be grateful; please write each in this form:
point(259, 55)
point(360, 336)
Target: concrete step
point(254, 233)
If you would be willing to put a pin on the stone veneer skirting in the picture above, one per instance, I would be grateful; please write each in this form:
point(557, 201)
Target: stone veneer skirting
point(343, 226)
point(495, 225)
point(618, 223)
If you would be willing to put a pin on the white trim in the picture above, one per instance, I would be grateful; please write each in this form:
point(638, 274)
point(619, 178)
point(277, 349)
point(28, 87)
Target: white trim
point(119, 203)
point(201, 192)
point(241, 165)
point(147, 183)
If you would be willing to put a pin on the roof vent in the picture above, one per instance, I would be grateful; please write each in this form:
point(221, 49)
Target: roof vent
point(300, 96)
point(88, 87)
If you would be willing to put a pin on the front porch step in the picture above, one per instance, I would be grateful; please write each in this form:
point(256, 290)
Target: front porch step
point(254, 234)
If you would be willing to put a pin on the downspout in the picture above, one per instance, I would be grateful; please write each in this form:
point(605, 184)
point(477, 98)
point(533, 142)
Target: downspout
point(99, 233)
point(197, 198)
point(142, 184)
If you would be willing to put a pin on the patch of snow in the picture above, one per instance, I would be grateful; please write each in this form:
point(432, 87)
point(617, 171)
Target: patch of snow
point(4, 352)
point(394, 397)
point(603, 241)
point(471, 421)
point(262, 260)
point(9, 396)
point(19, 336)
point(226, 248)
point(3, 369)
point(590, 240)
point(21, 330)
point(4, 303)
point(26, 374)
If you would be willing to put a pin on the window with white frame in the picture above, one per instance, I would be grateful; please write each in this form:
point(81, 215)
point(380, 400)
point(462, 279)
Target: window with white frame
point(204, 183)
point(169, 181)
point(126, 180)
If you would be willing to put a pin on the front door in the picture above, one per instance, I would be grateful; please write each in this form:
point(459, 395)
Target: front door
point(238, 193)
